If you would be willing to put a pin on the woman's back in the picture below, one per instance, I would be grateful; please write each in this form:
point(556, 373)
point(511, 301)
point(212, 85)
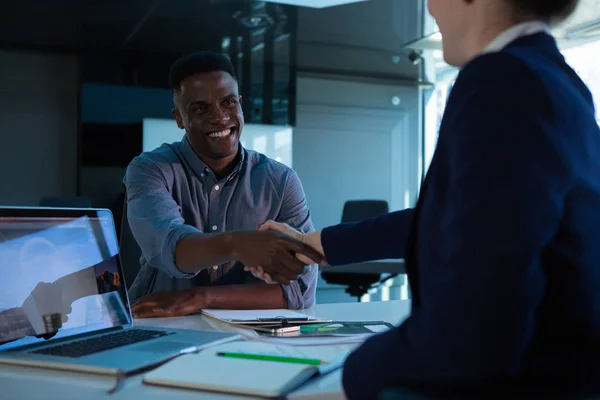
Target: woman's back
point(566, 341)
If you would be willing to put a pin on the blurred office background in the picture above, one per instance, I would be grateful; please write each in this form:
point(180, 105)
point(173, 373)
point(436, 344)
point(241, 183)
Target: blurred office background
point(348, 93)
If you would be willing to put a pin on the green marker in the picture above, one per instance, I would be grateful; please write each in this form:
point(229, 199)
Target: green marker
point(309, 361)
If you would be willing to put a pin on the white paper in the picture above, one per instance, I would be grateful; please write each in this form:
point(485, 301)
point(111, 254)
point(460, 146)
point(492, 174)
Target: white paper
point(377, 328)
point(323, 353)
point(302, 341)
point(252, 315)
point(315, 340)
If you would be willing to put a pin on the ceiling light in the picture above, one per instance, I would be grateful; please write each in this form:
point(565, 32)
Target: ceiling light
point(315, 3)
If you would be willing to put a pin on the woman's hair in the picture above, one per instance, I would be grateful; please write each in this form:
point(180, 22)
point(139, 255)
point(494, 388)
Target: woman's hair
point(547, 10)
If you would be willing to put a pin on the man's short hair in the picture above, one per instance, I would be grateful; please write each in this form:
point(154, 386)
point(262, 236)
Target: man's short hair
point(198, 63)
point(546, 10)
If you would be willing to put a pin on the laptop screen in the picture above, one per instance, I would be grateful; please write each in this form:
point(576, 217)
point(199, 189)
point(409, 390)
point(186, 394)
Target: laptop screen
point(59, 276)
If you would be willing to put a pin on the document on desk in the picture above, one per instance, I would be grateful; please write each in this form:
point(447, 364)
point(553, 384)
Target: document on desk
point(256, 377)
point(323, 334)
point(247, 317)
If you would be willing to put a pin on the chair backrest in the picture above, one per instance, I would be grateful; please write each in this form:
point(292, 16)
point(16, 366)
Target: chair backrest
point(130, 250)
point(354, 211)
point(357, 210)
point(66, 201)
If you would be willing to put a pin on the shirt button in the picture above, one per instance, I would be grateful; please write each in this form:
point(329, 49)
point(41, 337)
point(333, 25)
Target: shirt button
point(216, 267)
point(216, 187)
point(214, 228)
point(201, 175)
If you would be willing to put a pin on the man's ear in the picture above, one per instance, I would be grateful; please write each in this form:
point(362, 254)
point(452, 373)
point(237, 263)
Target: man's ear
point(240, 100)
point(178, 119)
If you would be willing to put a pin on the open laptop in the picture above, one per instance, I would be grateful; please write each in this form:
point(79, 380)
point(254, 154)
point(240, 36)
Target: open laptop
point(63, 299)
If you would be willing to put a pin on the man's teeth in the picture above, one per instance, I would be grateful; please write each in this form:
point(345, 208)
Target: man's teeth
point(220, 134)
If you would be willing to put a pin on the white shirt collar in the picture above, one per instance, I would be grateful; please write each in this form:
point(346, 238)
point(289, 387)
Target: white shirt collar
point(516, 32)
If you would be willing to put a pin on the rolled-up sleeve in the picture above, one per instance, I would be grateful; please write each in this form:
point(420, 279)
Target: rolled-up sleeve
point(294, 212)
point(154, 216)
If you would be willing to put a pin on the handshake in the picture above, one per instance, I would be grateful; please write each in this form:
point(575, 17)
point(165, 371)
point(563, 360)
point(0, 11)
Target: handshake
point(283, 253)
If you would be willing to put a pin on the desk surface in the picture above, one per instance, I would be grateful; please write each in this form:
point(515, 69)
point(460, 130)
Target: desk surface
point(25, 383)
point(369, 267)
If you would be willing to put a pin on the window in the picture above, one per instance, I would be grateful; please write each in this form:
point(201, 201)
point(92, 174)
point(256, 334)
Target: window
point(584, 60)
point(443, 76)
point(272, 140)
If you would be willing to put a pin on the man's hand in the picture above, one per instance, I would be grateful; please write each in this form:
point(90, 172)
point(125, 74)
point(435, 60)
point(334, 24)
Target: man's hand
point(275, 252)
point(169, 304)
point(313, 240)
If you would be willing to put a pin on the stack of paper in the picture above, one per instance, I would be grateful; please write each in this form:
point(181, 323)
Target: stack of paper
point(247, 317)
point(242, 322)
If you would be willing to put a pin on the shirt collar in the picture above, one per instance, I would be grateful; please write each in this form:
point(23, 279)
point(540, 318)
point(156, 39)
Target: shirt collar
point(516, 32)
point(200, 167)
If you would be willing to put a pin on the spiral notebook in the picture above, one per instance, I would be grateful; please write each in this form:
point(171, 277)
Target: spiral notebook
point(270, 379)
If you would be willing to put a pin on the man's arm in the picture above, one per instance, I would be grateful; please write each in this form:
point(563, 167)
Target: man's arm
point(294, 212)
point(167, 243)
point(503, 206)
point(257, 295)
point(377, 238)
point(181, 250)
point(251, 296)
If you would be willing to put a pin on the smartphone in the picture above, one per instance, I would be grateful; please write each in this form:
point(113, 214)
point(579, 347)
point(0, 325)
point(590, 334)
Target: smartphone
point(279, 328)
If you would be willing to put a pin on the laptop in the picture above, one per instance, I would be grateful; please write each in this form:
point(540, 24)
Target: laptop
point(63, 298)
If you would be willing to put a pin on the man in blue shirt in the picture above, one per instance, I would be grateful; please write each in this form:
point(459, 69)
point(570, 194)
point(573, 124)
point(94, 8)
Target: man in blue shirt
point(194, 207)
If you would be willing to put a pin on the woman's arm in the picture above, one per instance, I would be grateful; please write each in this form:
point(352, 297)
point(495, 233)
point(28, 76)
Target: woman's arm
point(372, 239)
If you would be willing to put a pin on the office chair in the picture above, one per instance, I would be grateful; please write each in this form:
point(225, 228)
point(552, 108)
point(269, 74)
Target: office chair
point(66, 202)
point(358, 284)
point(130, 250)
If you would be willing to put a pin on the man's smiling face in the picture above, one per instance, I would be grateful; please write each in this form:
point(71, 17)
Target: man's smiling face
point(208, 107)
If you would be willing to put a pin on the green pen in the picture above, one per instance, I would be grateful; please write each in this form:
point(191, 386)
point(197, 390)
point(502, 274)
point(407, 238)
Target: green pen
point(261, 357)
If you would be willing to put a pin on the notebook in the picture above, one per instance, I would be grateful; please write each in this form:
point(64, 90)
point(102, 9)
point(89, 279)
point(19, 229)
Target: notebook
point(246, 317)
point(271, 379)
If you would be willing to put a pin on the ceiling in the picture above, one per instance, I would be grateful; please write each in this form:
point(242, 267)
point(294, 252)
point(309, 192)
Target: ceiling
point(155, 26)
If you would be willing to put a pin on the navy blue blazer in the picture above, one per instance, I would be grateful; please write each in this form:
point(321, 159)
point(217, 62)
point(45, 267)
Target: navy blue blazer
point(503, 247)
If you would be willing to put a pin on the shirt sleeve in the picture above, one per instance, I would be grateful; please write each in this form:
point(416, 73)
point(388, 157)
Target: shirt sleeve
point(14, 325)
point(154, 216)
point(294, 212)
point(506, 188)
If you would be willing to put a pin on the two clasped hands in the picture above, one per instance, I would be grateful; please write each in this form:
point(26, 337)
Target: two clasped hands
point(310, 253)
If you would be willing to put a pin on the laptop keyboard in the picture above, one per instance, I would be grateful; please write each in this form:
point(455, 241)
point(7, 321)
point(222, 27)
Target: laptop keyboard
point(85, 347)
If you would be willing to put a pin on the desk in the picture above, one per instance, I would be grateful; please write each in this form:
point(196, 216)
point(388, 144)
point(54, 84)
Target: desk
point(32, 384)
point(369, 267)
